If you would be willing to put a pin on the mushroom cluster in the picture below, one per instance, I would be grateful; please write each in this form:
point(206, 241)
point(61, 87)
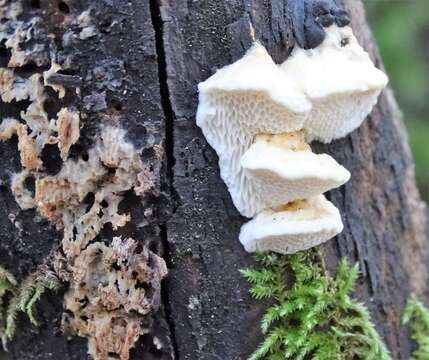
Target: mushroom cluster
point(259, 116)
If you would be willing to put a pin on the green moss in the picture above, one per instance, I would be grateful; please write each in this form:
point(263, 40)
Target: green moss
point(23, 297)
point(417, 315)
point(7, 288)
point(313, 315)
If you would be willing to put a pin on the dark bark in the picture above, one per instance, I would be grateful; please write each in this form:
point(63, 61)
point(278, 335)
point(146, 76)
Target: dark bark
point(158, 50)
point(117, 73)
point(383, 215)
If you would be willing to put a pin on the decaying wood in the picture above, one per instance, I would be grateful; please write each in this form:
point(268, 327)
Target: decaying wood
point(140, 70)
point(383, 215)
point(106, 53)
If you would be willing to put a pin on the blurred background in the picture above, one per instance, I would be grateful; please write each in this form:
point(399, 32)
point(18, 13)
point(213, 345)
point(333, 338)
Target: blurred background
point(401, 28)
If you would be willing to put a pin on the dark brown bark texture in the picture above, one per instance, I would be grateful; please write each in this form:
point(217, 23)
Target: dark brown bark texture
point(141, 71)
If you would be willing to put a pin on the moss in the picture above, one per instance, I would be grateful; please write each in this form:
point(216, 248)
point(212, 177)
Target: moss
point(23, 297)
point(313, 316)
point(417, 315)
point(7, 287)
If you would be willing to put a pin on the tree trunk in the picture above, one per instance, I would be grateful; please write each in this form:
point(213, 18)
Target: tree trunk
point(140, 70)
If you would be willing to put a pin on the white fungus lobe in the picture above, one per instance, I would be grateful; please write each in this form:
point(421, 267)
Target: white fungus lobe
point(297, 226)
point(257, 115)
point(282, 168)
point(340, 80)
point(240, 101)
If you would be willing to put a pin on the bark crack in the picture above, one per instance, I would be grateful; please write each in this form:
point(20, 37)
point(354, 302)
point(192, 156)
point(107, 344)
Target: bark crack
point(167, 109)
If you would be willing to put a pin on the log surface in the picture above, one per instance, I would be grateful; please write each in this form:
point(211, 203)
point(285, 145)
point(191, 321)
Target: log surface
point(166, 47)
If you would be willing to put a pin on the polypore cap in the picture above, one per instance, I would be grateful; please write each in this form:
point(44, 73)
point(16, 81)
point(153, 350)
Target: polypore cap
point(340, 80)
point(257, 72)
point(282, 168)
point(295, 227)
point(241, 100)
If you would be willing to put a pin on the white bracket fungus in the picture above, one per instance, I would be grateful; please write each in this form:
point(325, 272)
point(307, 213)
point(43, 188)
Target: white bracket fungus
point(282, 168)
point(257, 115)
point(294, 227)
point(340, 80)
point(240, 101)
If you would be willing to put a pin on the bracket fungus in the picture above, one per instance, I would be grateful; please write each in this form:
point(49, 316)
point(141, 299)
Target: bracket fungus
point(258, 115)
point(234, 107)
point(282, 168)
point(295, 226)
point(340, 80)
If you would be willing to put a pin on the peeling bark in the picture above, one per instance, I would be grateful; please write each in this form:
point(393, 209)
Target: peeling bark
point(135, 64)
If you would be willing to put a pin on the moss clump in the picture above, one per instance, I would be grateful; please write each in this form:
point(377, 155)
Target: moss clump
point(313, 315)
point(417, 315)
point(7, 288)
point(23, 297)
